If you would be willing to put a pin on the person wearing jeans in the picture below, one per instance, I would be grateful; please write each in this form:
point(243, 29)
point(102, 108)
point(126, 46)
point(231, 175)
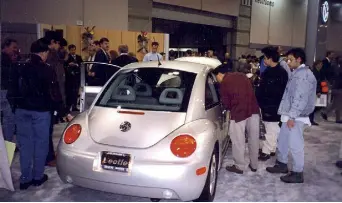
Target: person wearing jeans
point(269, 94)
point(297, 104)
point(9, 52)
point(238, 97)
point(33, 93)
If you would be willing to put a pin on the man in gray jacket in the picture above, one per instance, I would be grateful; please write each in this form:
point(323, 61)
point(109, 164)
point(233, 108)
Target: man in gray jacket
point(297, 104)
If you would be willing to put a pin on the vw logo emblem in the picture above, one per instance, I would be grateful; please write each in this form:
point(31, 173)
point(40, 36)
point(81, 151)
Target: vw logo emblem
point(125, 126)
point(325, 11)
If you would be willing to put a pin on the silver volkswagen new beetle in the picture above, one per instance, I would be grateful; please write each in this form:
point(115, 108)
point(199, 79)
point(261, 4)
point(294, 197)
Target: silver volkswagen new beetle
point(154, 130)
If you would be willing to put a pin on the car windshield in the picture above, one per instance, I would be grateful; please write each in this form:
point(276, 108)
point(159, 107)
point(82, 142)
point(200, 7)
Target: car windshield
point(155, 89)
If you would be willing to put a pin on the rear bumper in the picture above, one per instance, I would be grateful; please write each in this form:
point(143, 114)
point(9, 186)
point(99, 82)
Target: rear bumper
point(151, 180)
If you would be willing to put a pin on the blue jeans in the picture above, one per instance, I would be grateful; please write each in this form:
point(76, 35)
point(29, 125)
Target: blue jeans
point(7, 117)
point(292, 140)
point(33, 142)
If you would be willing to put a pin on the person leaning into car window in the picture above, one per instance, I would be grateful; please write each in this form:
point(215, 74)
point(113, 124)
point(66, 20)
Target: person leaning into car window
point(238, 97)
point(33, 93)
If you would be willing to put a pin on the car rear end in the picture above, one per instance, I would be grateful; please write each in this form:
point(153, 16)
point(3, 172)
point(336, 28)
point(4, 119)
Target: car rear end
point(135, 141)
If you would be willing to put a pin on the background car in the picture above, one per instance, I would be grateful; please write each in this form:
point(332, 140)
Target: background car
point(156, 131)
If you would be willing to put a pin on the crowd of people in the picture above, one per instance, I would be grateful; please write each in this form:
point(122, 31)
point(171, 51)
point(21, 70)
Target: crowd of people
point(280, 91)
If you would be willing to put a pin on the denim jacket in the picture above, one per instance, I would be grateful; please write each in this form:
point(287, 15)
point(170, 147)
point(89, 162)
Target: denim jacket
point(299, 98)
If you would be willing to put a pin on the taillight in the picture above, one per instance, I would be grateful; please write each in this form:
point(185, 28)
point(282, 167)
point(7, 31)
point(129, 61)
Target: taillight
point(183, 146)
point(72, 133)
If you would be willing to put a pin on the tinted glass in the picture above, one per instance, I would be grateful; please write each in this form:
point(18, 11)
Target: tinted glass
point(153, 89)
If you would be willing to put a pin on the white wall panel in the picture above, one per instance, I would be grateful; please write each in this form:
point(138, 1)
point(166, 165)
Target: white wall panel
point(283, 24)
point(259, 23)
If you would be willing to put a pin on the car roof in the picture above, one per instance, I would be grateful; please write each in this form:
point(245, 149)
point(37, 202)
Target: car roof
point(212, 62)
point(176, 65)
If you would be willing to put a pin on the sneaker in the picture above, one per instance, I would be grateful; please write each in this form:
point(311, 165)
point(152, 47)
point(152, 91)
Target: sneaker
point(324, 116)
point(41, 181)
point(25, 186)
point(264, 157)
point(339, 164)
point(278, 168)
point(293, 177)
point(314, 123)
point(234, 169)
point(252, 169)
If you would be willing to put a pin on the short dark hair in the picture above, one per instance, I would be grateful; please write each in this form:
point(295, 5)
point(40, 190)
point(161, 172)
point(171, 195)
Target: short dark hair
point(297, 53)
point(63, 42)
point(271, 53)
point(123, 49)
point(189, 52)
point(52, 35)
point(8, 42)
point(328, 53)
point(96, 42)
point(103, 39)
point(71, 46)
point(39, 46)
point(220, 69)
point(155, 44)
point(316, 63)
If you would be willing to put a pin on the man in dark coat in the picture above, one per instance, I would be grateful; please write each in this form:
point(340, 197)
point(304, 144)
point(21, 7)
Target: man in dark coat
point(9, 48)
point(56, 60)
point(99, 72)
point(269, 94)
point(73, 77)
point(124, 59)
point(33, 93)
point(320, 77)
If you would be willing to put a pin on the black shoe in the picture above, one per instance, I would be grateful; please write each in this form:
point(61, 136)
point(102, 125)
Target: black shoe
point(339, 122)
point(41, 181)
point(278, 168)
point(293, 177)
point(264, 157)
point(273, 154)
point(234, 169)
point(314, 123)
point(324, 116)
point(339, 164)
point(25, 186)
point(252, 169)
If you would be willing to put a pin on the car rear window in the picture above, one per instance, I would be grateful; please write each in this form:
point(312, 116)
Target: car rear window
point(155, 89)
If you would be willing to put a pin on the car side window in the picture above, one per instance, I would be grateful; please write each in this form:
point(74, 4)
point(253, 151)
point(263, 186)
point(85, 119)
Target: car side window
point(211, 97)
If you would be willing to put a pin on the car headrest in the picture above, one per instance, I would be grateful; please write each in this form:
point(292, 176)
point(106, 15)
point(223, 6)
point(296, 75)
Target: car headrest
point(124, 93)
point(171, 96)
point(143, 90)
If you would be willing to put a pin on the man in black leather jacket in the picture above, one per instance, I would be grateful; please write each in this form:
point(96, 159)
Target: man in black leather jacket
point(269, 94)
point(33, 93)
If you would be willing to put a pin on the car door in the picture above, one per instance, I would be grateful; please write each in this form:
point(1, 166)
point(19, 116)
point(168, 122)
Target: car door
point(89, 93)
point(213, 109)
point(224, 117)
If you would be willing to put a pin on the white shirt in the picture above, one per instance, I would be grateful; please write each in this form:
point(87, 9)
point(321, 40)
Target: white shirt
point(91, 58)
point(305, 120)
point(152, 57)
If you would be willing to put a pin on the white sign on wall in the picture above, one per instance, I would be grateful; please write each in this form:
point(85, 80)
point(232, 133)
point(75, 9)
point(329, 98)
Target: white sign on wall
point(325, 11)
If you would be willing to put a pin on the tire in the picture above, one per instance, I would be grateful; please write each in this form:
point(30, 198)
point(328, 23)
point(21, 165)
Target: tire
point(209, 190)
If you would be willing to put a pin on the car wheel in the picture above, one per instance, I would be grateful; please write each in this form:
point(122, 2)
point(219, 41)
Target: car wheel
point(209, 189)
